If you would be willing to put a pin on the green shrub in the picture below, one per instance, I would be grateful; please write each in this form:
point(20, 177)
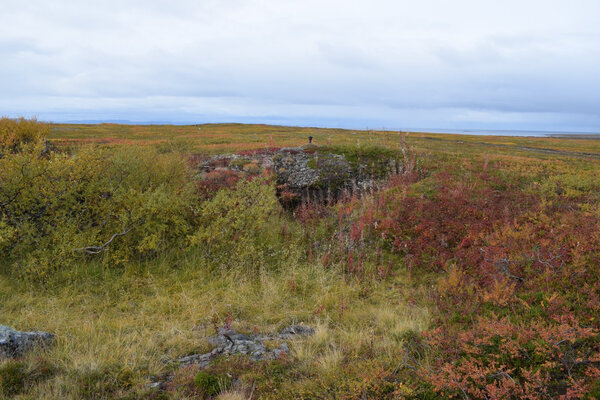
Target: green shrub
point(375, 159)
point(123, 204)
point(13, 375)
point(114, 204)
point(241, 226)
point(16, 133)
point(209, 384)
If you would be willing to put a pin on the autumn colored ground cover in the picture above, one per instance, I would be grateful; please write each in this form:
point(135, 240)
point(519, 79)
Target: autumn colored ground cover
point(215, 138)
point(471, 274)
point(517, 299)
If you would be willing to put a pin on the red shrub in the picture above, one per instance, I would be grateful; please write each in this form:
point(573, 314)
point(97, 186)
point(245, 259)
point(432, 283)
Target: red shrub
point(217, 179)
point(507, 253)
point(500, 359)
point(449, 225)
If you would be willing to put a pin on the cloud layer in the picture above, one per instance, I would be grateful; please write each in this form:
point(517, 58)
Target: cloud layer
point(397, 64)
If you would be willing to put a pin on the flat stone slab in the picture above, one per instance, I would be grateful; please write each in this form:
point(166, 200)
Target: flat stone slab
point(14, 344)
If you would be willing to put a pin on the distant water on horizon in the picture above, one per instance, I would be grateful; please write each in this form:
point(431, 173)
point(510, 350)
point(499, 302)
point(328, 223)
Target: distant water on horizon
point(484, 132)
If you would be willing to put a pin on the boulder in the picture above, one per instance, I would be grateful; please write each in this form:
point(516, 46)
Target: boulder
point(14, 344)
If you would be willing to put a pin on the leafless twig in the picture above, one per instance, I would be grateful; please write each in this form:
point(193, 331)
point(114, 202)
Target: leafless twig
point(503, 264)
point(100, 249)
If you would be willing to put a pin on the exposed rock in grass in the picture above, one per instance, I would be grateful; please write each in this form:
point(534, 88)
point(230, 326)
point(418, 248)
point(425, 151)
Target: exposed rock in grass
point(230, 342)
point(311, 176)
point(294, 331)
point(14, 343)
point(312, 173)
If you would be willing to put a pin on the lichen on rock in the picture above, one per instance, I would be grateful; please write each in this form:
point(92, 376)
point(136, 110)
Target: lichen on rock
point(312, 173)
point(14, 344)
point(229, 342)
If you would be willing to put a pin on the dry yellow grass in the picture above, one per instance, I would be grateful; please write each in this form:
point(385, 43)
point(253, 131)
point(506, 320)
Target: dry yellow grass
point(126, 326)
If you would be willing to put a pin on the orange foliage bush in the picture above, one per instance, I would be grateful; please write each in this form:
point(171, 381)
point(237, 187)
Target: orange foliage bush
point(500, 359)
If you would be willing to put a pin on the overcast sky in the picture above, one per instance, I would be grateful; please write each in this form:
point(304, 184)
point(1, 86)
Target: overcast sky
point(490, 64)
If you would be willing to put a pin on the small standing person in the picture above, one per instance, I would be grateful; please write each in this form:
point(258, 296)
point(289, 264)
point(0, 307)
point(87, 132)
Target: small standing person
point(309, 139)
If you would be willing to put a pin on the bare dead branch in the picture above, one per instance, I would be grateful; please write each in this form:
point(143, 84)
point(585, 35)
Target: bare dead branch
point(100, 249)
point(503, 264)
point(503, 374)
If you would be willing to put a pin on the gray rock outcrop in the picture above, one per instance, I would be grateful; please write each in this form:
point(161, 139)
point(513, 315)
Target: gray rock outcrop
point(229, 342)
point(14, 344)
point(310, 176)
point(310, 173)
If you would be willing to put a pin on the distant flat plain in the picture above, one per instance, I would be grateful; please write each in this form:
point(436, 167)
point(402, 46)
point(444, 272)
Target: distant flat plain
point(228, 137)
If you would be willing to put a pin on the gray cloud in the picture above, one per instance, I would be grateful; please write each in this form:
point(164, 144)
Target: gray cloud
point(433, 63)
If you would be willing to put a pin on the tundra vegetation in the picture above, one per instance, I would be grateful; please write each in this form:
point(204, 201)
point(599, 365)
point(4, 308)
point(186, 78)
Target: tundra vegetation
point(470, 273)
